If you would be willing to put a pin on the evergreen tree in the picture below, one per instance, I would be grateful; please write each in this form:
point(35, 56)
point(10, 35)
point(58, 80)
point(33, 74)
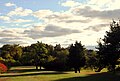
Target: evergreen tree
point(76, 58)
point(109, 50)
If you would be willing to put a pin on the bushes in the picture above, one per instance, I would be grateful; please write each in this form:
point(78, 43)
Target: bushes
point(3, 68)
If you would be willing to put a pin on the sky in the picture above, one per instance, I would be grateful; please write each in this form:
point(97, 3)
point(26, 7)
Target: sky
point(54, 22)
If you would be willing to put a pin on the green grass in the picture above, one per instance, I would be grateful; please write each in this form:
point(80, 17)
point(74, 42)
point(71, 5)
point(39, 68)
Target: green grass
point(30, 74)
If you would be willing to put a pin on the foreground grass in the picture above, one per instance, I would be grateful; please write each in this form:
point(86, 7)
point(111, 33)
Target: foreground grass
point(30, 74)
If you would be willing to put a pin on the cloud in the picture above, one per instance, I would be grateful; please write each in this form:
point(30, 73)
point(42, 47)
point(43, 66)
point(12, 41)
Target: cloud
point(11, 32)
point(9, 4)
point(49, 31)
point(5, 18)
point(21, 41)
point(105, 4)
point(19, 11)
point(70, 3)
point(76, 21)
point(97, 28)
point(60, 17)
point(89, 12)
point(14, 36)
point(20, 21)
point(42, 13)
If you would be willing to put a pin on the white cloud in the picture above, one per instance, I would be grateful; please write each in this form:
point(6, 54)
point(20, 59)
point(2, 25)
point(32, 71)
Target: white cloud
point(14, 36)
point(42, 13)
point(9, 4)
point(62, 19)
point(70, 3)
point(20, 21)
point(5, 18)
point(19, 11)
point(105, 4)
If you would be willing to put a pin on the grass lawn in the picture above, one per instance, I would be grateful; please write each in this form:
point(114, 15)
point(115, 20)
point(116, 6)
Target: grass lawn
point(30, 74)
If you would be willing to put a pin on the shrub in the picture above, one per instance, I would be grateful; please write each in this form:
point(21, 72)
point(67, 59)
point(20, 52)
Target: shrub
point(3, 68)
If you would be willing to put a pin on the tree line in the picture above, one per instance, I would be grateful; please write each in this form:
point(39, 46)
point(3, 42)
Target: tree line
point(75, 56)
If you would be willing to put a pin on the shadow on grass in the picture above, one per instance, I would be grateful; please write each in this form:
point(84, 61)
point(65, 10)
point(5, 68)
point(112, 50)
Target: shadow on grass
point(29, 70)
point(22, 70)
point(33, 74)
point(26, 71)
point(94, 77)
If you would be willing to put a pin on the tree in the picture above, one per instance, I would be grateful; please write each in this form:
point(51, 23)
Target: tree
point(109, 50)
point(27, 57)
point(91, 59)
point(76, 57)
point(57, 58)
point(3, 68)
point(40, 53)
point(11, 54)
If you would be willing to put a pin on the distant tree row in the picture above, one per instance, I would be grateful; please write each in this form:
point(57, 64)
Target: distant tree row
point(47, 56)
point(75, 56)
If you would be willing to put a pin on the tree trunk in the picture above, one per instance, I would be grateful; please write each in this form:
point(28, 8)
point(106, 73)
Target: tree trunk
point(99, 69)
point(113, 68)
point(79, 70)
point(36, 67)
point(40, 67)
point(75, 70)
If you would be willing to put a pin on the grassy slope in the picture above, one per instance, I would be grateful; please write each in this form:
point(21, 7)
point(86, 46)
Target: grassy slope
point(30, 74)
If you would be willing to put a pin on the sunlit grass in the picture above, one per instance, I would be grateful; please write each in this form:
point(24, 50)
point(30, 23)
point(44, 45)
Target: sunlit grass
point(30, 74)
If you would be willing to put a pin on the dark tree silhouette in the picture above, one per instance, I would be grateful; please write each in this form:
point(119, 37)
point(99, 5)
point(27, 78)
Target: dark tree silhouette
point(109, 50)
point(76, 58)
